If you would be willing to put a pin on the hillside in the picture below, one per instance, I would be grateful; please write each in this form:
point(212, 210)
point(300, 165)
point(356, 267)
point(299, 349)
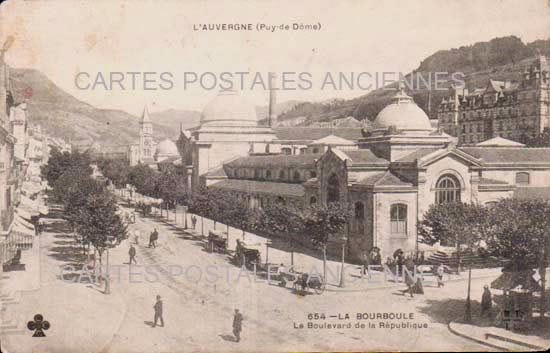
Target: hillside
point(500, 58)
point(64, 116)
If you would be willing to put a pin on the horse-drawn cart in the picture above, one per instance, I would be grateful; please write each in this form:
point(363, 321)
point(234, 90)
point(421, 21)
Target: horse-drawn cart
point(247, 255)
point(216, 242)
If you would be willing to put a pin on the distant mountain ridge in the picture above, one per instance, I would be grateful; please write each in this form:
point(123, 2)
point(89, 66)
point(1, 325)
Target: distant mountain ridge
point(500, 58)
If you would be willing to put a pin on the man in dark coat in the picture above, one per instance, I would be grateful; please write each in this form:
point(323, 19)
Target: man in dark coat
point(486, 301)
point(132, 253)
point(237, 325)
point(158, 312)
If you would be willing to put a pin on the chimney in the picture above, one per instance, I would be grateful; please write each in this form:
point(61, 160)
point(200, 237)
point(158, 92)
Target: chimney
point(271, 116)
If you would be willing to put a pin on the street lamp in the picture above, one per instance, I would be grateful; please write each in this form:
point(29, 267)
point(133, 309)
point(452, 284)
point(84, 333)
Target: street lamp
point(342, 280)
point(267, 244)
point(468, 315)
point(107, 271)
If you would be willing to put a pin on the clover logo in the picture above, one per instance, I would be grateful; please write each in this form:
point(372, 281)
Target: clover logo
point(38, 325)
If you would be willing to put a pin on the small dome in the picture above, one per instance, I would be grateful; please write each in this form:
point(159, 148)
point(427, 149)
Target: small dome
point(229, 109)
point(166, 147)
point(404, 114)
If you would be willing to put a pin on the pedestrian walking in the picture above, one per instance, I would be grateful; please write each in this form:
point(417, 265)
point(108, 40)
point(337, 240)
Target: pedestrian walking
point(158, 312)
point(155, 237)
point(410, 285)
point(237, 325)
point(136, 237)
point(194, 221)
point(440, 272)
point(486, 301)
point(132, 253)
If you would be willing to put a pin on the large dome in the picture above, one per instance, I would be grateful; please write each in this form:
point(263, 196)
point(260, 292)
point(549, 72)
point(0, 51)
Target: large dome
point(166, 148)
point(402, 113)
point(229, 109)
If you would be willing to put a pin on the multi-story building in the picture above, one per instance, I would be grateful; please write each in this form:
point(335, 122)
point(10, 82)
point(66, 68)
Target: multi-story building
point(513, 110)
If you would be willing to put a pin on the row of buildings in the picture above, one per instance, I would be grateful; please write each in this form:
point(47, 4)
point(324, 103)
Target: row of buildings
point(23, 149)
point(516, 110)
point(388, 175)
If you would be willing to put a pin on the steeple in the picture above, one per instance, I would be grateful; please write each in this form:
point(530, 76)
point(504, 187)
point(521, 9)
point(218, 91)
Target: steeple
point(145, 116)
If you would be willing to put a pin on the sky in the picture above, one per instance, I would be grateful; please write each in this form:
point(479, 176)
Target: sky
point(63, 38)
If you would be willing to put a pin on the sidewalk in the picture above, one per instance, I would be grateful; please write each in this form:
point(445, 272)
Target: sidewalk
point(499, 338)
point(354, 280)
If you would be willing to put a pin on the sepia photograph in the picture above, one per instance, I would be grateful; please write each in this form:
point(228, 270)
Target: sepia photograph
point(274, 176)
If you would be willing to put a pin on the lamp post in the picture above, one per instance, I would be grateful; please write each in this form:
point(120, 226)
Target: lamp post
point(267, 244)
point(342, 280)
point(107, 272)
point(185, 209)
point(468, 314)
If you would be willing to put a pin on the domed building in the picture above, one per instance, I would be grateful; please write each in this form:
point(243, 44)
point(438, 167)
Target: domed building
point(166, 149)
point(398, 169)
point(228, 128)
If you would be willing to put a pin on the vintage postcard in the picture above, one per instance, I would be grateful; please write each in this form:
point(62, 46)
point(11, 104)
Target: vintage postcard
point(274, 176)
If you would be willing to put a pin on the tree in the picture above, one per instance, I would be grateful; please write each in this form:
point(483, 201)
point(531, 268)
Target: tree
point(323, 221)
point(461, 224)
point(116, 170)
point(143, 179)
point(519, 232)
point(100, 224)
point(170, 187)
point(59, 162)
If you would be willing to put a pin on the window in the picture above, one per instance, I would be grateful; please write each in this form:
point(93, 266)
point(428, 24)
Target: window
point(333, 189)
point(315, 150)
point(296, 175)
point(267, 148)
point(312, 200)
point(360, 217)
point(398, 218)
point(282, 174)
point(447, 189)
point(522, 178)
point(286, 150)
point(257, 173)
point(313, 174)
point(268, 174)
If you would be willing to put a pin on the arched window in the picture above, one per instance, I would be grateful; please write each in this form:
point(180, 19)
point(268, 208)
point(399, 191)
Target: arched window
point(360, 217)
point(296, 175)
point(282, 174)
point(447, 189)
point(333, 189)
point(398, 218)
point(522, 178)
point(312, 200)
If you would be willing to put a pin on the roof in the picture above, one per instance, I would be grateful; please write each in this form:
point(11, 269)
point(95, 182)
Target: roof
point(418, 154)
point(332, 140)
point(282, 161)
point(260, 187)
point(365, 156)
point(386, 178)
point(516, 280)
point(216, 173)
point(316, 133)
point(508, 155)
point(403, 114)
point(532, 193)
point(500, 142)
point(145, 116)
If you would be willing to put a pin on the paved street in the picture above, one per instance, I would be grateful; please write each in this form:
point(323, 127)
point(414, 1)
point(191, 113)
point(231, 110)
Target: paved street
point(198, 312)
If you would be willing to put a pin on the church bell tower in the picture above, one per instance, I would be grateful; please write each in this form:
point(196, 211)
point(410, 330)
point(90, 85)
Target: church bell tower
point(145, 137)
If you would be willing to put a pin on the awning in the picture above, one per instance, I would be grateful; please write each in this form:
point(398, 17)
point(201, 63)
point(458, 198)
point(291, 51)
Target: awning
point(516, 280)
point(21, 221)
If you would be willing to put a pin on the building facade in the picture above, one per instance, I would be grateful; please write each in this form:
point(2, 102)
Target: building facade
point(398, 169)
point(514, 110)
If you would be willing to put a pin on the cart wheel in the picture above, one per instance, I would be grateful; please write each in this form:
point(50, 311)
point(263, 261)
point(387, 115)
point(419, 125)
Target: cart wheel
point(320, 288)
